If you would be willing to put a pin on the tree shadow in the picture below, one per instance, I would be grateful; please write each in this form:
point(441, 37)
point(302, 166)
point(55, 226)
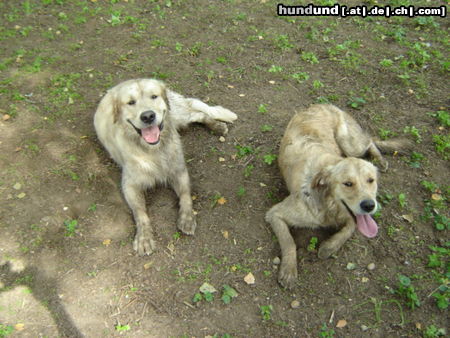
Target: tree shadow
point(44, 289)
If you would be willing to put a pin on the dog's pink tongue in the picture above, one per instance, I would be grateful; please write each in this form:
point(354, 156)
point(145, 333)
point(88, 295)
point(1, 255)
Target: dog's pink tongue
point(366, 225)
point(151, 134)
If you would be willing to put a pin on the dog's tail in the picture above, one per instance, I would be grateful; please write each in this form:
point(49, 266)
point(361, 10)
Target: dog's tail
point(399, 145)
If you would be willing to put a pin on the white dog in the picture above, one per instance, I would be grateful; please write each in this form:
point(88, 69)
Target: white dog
point(137, 123)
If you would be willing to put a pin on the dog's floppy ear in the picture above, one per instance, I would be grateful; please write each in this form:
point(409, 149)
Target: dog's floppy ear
point(320, 180)
point(110, 105)
point(164, 95)
point(115, 107)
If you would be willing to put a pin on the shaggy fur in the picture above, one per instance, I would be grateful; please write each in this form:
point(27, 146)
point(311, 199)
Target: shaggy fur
point(328, 184)
point(137, 122)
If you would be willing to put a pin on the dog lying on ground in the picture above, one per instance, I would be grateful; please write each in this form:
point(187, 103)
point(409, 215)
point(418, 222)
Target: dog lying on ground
point(137, 123)
point(328, 184)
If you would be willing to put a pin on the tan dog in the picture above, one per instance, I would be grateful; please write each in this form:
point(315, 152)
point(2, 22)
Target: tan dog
point(137, 123)
point(328, 184)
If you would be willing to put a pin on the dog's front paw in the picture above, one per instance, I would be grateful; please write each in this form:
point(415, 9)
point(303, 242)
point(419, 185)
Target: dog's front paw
point(327, 249)
point(287, 276)
point(187, 223)
point(143, 242)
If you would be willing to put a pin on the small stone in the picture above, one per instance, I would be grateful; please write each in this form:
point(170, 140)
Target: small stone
point(249, 279)
point(276, 261)
point(295, 304)
point(206, 287)
point(371, 266)
point(222, 139)
point(341, 323)
point(6, 117)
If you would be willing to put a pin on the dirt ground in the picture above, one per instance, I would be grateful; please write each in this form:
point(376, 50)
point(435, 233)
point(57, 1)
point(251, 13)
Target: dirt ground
point(67, 266)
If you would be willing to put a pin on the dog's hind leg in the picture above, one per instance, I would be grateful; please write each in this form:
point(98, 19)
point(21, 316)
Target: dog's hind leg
point(212, 116)
point(134, 195)
point(354, 142)
point(375, 154)
point(181, 184)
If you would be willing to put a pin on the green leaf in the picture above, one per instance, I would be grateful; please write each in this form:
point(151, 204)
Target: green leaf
point(434, 261)
point(209, 297)
point(404, 280)
point(226, 299)
point(228, 294)
point(197, 298)
point(441, 300)
point(121, 328)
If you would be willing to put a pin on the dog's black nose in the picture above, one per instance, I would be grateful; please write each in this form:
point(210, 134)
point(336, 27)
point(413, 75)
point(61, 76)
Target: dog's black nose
point(367, 205)
point(148, 116)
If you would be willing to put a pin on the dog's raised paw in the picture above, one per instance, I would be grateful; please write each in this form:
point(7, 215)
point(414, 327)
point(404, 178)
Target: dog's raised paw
point(287, 276)
point(143, 244)
point(326, 250)
point(187, 223)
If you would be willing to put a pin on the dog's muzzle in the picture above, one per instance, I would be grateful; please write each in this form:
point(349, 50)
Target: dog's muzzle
point(151, 134)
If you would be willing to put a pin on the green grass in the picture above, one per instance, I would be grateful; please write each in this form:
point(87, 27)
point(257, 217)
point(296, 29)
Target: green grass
point(414, 132)
point(248, 170)
point(282, 42)
point(228, 294)
point(309, 57)
point(269, 158)
point(442, 145)
point(243, 151)
point(266, 128)
point(312, 246)
point(406, 290)
point(6, 330)
point(300, 76)
point(326, 332)
point(71, 226)
point(122, 328)
point(438, 262)
point(266, 312)
point(262, 108)
point(442, 116)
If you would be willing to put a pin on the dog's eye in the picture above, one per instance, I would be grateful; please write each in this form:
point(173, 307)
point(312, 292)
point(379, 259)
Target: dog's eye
point(132, 102)
point(370, 180)
point(348, 184)
point(154, 97)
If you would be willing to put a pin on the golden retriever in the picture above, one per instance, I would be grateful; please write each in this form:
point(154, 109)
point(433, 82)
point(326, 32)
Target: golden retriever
point(137, 122)
point(328, 184)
